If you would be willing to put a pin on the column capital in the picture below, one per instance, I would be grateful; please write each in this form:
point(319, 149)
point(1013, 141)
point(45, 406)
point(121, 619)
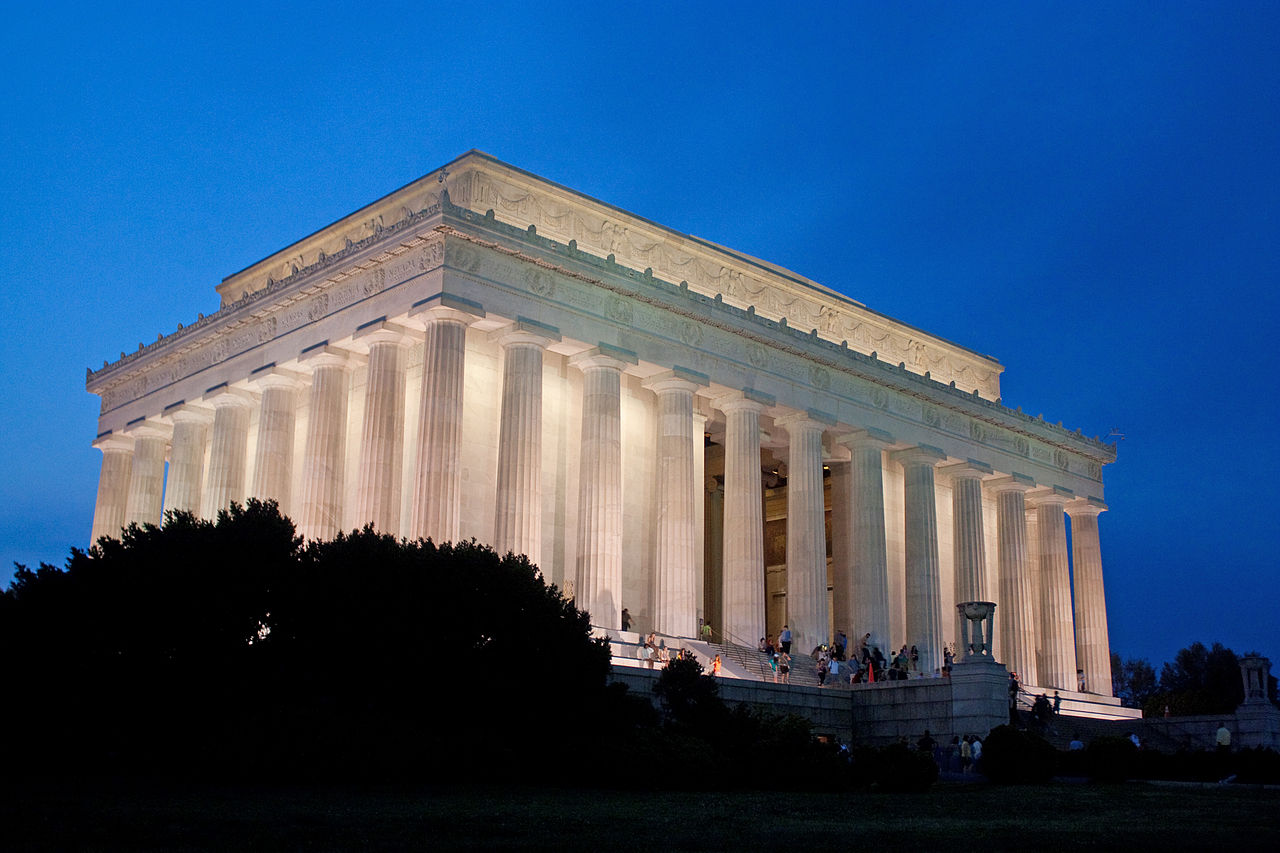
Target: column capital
point(1015, 482)
point(224, 395)
point(528, 332)
point(921, 454)
point(270, 376)
point(869, 436)
point(1059, 495)
point(324, 355)
point(444, 307)
point(604, 356)
point(184, 412)
point(748, 399)
point(379, 331)
point(1086, 506)
point(148, 428)
point(968, 469)
point(807, 419)
point(677, 378)
point(113, 441)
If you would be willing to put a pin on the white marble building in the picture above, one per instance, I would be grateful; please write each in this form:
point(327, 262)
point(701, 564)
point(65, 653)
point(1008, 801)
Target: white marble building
point(660, 423)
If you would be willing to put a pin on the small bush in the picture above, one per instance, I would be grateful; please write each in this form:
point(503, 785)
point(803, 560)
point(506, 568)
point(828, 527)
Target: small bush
point(1013, 757)
point(1111, 759)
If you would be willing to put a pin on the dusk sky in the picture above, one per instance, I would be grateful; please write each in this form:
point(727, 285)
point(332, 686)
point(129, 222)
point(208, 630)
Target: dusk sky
point(1088, 192)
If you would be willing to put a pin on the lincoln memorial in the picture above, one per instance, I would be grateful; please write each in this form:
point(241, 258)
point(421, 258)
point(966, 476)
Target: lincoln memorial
point(660, 423)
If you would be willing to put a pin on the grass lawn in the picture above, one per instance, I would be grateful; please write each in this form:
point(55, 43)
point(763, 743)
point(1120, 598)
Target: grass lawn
point(1134, 816)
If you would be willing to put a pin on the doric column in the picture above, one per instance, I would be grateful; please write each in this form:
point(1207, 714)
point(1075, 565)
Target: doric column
point(676, 559)
point(870, 569)
point(969, 550)
point(324, 455)
point(807, 610)
point(228, 447)
point(146, 479)
point(113, 485)
point(518, 510)
point(923, 594)
point(699, 515)
point(841, 576)
point(743, 602)
point(437, 488)
point(599, 569)
point(382, 436)
point(277, 417)
point(184, 487)
point(1017, 601)
point(1057, 635)
point(1093, 648)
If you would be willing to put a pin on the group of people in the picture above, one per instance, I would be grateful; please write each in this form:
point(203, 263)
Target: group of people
point(962, 755)
point(865, 664)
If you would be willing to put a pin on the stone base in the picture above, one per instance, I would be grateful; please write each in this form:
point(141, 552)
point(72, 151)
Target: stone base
point(1258, 725)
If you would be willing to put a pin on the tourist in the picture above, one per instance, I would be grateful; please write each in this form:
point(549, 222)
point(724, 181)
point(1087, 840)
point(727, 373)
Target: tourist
point(863, 645)
point(773, 665)
point(926, 743)
point(840, 643)
point(784, 666)
point(770, 647)
point(715, 666)
point(706, 632)
point(1057, 703)
point(1042, 710)
point(855, 671)
point(823, 669)
point(975, 749)
point(966, 754)
point(1080, 680)
point(784, 640)
point(760, 646)
point(915, 659)
point(1223, 738)
point(1133, 736)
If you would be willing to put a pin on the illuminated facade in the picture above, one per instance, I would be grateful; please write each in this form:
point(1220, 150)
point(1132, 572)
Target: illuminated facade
point(660, 423)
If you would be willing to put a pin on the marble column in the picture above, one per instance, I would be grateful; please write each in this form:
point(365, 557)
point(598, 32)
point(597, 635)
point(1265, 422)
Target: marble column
point(113, 485)
point(518, 508)
point(923, 580)
point(807, 608)
point(228, 448)
point(841, 576)
point(969, 549)
point(675, 543)
point(437, 490)
point(277, 418)
point(870, 571)
point(382, 434)
point(743, 600)
point(1093, 648)
point(700, 569)
point(1057, 633)
point(144, 504)
point(324, 454)
point(599, 568)
point(184, 486)
point(1016, 596)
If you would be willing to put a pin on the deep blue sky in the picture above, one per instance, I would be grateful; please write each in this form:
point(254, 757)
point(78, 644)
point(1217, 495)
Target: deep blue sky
point(1087, 192)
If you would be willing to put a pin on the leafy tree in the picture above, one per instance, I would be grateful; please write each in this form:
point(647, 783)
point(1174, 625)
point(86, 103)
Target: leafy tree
point(1199, 680)
point(1134, 680)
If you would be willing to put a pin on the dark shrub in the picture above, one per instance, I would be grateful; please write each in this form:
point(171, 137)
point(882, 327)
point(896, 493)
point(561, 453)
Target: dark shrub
point(1111, 759)
point(904, 769)
point(1012, 757)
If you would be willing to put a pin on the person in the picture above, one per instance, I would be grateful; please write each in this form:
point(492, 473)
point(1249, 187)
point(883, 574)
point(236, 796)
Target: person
point(626, 619)
point(706, 632)
point(1080, 680)
point(784, 640)
point(784, 666)
point(1223, 738)
point(975, 749)
point(773, 665)
point(1014, 687)
point(1042, 710)
point(953, 755)
point(840, 643)
point(855, 671)
point(770, 647)
point(760, 646)
point(1076, 744)
point(1133, 736)
point(926, 743)
point(915, 659)
point(1057, 703)
point(966, 754)
point(823, 669)
point(715, 666)
point(863, 644)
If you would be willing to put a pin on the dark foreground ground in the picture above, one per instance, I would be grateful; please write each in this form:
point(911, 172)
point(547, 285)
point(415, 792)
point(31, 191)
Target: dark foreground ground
point(119, 816)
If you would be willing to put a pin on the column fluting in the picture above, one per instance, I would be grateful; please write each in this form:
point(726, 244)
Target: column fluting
point(1017, 602)
point(184, 486)
point(324, 454)
point(870, 548)
point(277, 420)
point(437, 491)
point(1057, 632)
point(923, 576)
point(969, 551)
point(113, 486)
point(228, 448)
point(146, 478)
point(743, 601)
point(675, 557)
point(807, 608)
point(1093, 647)
point(382, 434)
